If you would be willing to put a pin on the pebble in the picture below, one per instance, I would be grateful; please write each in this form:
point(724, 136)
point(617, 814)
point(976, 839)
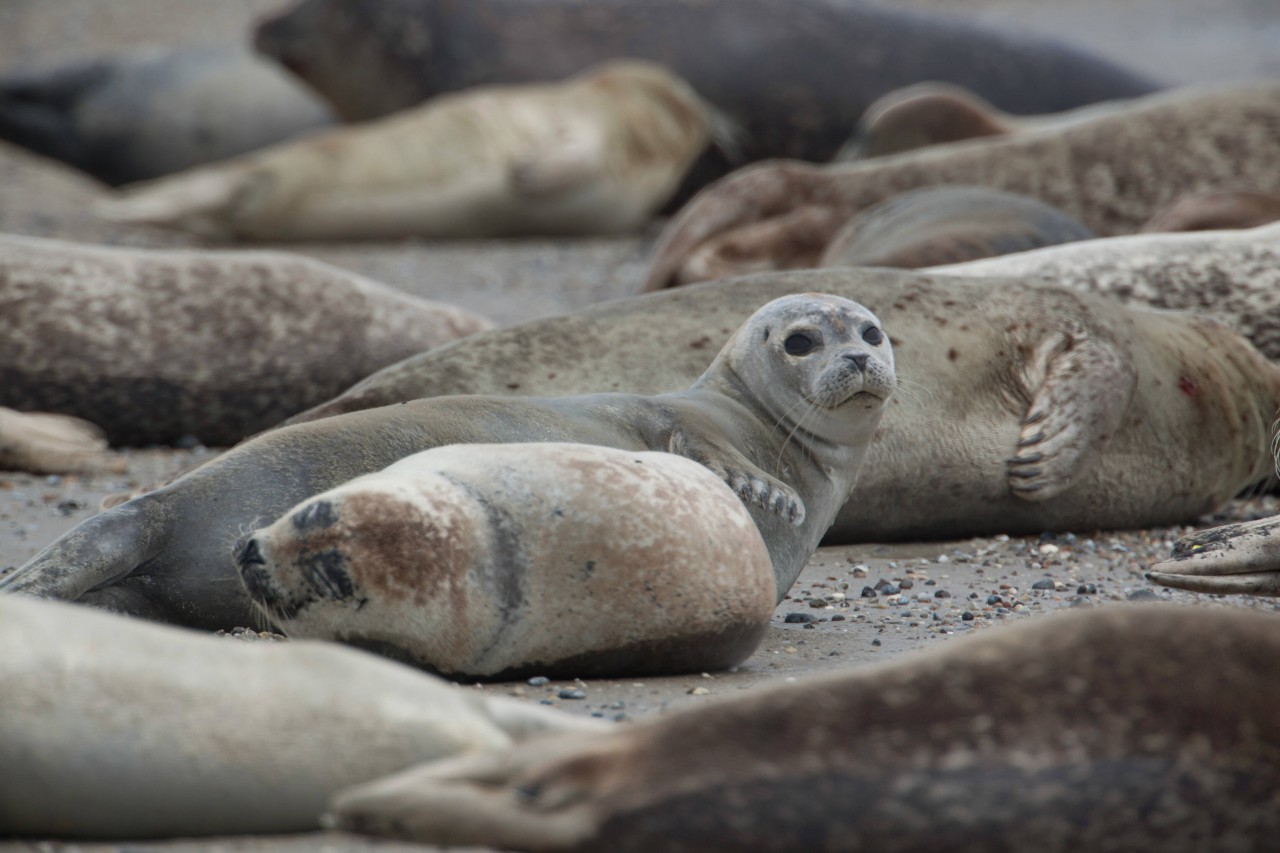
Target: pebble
point(572, 694)
point(942, 593)
point(868, 592)
point(796, 617)
point(1087, 589)
point(967, 616)
point(1143, 595)
point(1043, 584)
point(539, 681)
point(698, 691)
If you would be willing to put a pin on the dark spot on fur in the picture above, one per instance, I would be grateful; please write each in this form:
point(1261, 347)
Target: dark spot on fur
point(1186, 386)
point(317, 516)
point(326, 572)
point(952, 355)
point(512, 386)
point(702, 342)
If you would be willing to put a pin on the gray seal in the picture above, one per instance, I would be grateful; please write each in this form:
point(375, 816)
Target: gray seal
point(1023, 407)
point(148, 113)
point(825, 61)
point(1123, 729)
point(1112, 171)
point(948, 225)
point(158, 346)
point(784, 415)
point(116, 728)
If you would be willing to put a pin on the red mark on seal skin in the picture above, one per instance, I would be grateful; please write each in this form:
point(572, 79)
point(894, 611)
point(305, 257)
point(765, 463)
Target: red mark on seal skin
point(1187, 386)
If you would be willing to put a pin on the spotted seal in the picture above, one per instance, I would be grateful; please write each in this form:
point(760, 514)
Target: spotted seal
point(155, 346)
point(783, 414)
point(1023, 407)
point(511, 560)
point(116, 728)
point(594, 154)
point(1126, 728)
point(1112, 172)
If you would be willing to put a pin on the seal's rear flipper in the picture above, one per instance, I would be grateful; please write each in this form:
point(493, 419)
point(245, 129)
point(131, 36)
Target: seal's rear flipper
point(1086, 386)
point(1235, 558)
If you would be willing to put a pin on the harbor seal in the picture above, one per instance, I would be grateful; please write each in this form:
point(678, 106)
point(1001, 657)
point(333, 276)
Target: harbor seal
point(594, 154)
point(1112, 173)
point(42, 443)
point(155, 346)
point(116, 728)
point(145, 114)
point(1127, 728)
point(1217, 210)
point(511, 560)
point(783, 414)
point(947, 225)
point(1231, 275)
point(1023, 407)
point(370, 60)
point(1241, 558)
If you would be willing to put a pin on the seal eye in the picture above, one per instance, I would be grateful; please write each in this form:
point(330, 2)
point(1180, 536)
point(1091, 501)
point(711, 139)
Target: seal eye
point(798, 343)
point(873, 336)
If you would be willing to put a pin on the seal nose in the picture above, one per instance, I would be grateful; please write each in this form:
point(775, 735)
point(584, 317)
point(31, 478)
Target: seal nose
point(858, 359)
point(249, 554)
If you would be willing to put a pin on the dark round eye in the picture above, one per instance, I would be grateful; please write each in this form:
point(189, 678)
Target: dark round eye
point(873, 336)
point(798, 344)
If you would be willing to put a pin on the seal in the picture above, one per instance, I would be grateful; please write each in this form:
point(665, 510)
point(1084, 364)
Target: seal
point(155, 346)
point(1104, 730)
point(512, 560)
point(1231, 559)
point(1023, 407)
point(116, 728)
point(1216, 210)
point(933, 113)
point(595, 154)
point(369, 60)
point(1102, 171)
point(144, 114)
point(947, 225)
point(783, 414)
point(41, 443)
point(1231, 275)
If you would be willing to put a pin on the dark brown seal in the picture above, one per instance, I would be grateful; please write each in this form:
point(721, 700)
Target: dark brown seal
point(1113, 171)
point(1122, 729)
point(795, 75)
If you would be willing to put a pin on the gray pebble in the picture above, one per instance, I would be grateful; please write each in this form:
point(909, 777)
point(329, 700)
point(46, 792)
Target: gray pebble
point(797, 617)
point(1043, 584)
point(573, 693)
point(539, 681)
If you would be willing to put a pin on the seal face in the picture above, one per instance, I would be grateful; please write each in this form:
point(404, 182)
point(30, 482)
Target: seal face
point(967, 746)
point(509, 560)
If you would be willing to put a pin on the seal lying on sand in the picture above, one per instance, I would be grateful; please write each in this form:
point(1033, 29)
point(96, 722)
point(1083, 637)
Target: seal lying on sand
point(1231, 275)
point(155, 111)
point(595, 154)
point(783, 414)
point(1234, 558)
point(114, 728)
point(1128, 728)
point(795, 75)
point(948, 225)
point(511, 560)
point(1112, 172)
point(1022, 407)
point(157, 345)
point(51, 444)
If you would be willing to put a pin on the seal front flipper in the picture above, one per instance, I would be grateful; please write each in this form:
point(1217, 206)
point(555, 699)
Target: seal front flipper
point(753, 486)
point(1234, 558)
point(1085, 386)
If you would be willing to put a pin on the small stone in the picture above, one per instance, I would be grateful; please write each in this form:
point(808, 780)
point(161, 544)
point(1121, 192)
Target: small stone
point(943, 558)
point(967, 616)
point(796, 617)
point(573, 693)
point(942, 593)
point(868, 592)
point(906, 583)
point(698, 691)
point(539, 681)
point(838, 618)
point(1049, 548)
point(1043, 584)
point(994, 599)
point(875, 642)
point(817, 602)
point(1087, 589)
point(545, 702)
point(1143, 595)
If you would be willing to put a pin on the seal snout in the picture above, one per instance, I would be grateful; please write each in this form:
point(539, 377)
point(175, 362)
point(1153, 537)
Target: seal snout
point(249, 554)
point(857, 358)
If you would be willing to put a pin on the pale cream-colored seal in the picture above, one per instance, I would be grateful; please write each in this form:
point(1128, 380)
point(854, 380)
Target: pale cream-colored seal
point(1112, 172)
point(784, 415)
point(155, 346)
point(511, 560)
point(41, 443)
point(596, 154)
point(1124, 729)
point(116, 728)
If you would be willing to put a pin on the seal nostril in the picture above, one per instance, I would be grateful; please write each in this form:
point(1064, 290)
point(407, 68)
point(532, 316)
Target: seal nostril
point(249, 554)
point(859, 359)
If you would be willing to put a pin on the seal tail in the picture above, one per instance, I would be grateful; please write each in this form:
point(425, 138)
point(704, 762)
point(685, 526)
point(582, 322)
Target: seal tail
point(203, 202)
point(51, 444)
point(97, 552)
